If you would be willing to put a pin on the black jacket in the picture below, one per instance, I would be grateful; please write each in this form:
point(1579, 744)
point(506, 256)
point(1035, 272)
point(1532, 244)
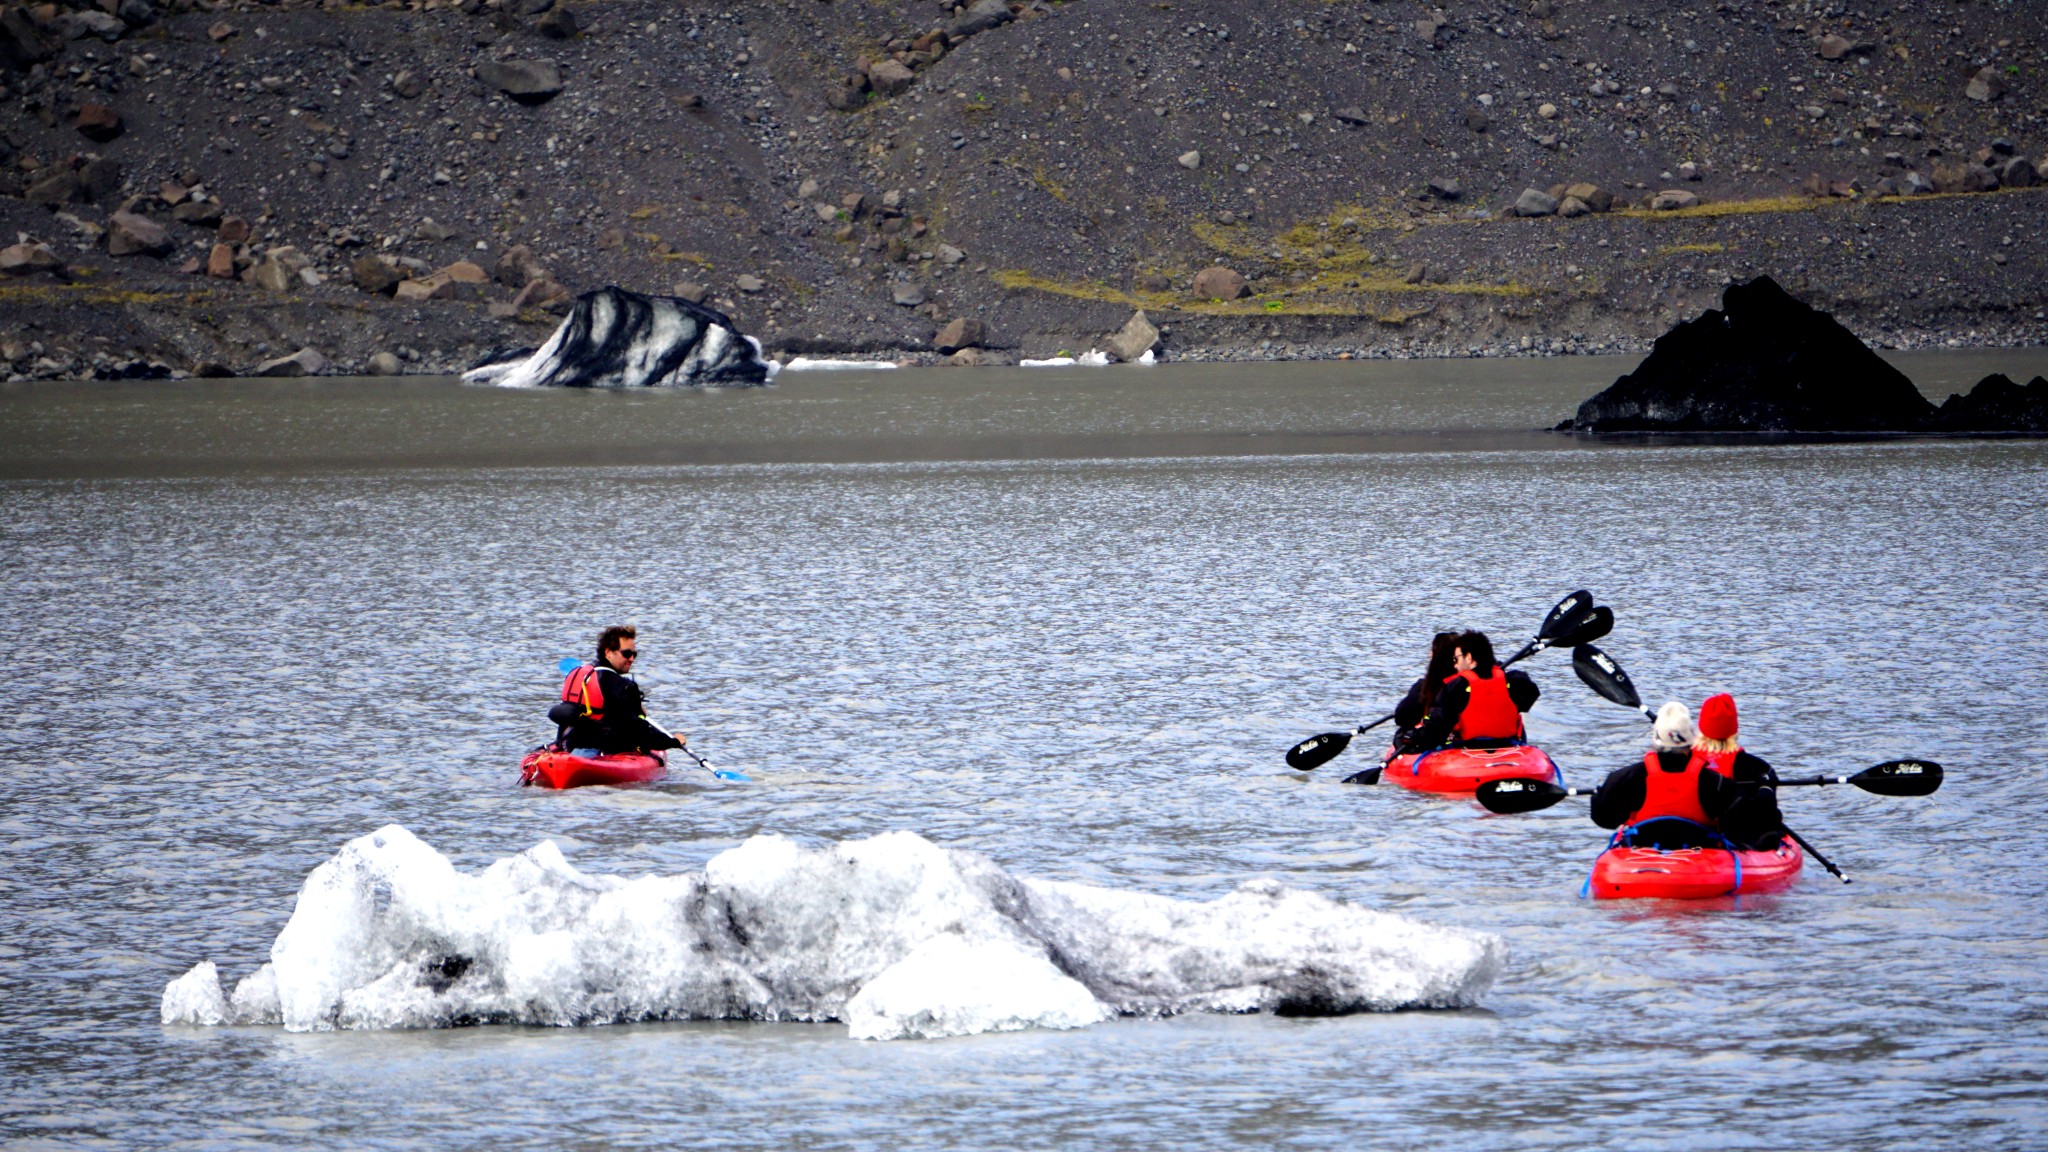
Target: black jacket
point(624, 727)
point(1743, 808)
point(1434, 730)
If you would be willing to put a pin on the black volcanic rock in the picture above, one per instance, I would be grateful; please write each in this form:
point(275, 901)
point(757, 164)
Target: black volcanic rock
point(1997, 404)
point(1763, 362)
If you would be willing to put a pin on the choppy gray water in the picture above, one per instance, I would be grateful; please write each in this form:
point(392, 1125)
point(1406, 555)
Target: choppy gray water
point(301, 611)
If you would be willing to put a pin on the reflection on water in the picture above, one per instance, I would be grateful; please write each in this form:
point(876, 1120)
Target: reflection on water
point(1086, 669)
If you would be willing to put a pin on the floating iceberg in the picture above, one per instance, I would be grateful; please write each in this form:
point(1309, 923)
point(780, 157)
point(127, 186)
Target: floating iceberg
point(807, 364)
point(894, 936)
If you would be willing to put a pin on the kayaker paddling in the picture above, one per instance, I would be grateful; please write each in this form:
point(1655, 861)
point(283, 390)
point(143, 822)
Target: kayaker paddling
point(1421, 697)
point(1693, 796)
point(602, 711)
point(1478, 704)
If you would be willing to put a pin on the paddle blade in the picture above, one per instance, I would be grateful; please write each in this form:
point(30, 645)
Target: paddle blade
point(567, 664)
point(1566, 614)
point(1600, 673)
point(1592, 626)
point(1900, 778)
point(1517, 794)
point(1369, 776)
point(729, 774)
point(1317, 751)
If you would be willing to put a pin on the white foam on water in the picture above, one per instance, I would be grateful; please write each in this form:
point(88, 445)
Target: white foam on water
point(806, 364)
point(894, 936)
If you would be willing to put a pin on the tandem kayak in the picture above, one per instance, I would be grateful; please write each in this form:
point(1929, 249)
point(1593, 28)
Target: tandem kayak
point(1463, 770)
point(546, 768)
point(1623, 872)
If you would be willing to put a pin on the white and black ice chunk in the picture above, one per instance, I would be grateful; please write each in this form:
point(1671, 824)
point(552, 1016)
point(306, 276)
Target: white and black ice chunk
point(619, 339)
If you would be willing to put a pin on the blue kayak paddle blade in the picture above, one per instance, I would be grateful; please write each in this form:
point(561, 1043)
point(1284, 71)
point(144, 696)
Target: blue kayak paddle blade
point(724, 774)
point(567, 664)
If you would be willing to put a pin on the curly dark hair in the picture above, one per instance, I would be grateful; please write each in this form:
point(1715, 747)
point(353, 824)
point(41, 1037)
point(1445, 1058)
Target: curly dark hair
point(608, 639)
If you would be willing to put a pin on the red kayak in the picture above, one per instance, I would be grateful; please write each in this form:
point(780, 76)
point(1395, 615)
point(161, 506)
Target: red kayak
point(1691, 873)
point(1463, 770)
point(546, 768)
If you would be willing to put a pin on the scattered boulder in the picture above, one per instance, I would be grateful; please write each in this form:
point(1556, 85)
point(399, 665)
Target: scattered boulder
point(978, 18)
point(373, 274)
point(385, 364)
point(54, 189)
point(694, 293)
point(1762, 362)
point(1964, 178)
point(221, 30)
point(1535, 202)
point(1190, 159)
point(1688, 171)
point(28, 258)
point(2019, 172)
point(1592, 195)
point(407, 86)
point(1145, 280)
point(1572, 207)
point(1673, 199)
point(1445, 188)
point(948, 255)
point(558, 24)
point(129, 234)
point(516, 267)
point(463, 272)
point(1135, 338)
point(1219, 283)
point(1916, 184)
point(220, 262)
point(281, 270)
point(963, 332)
point(100, 180)
point(1476, 120)
point(98, 122)
point(908, 295)
point(199, 213)
point(526, 81)
point(979, 358)
point(1352, 115)
point(749, 283)
point(233, 230)
point(1837, 47)
point(1996, 404)
point(889, 78)
point(432, 286)
point(22, 44)
point(304, 362)
point(1987, 85)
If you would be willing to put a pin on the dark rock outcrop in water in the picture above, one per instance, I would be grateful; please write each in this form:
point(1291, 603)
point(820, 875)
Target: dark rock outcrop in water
point(619, 339)
point(1997, 404)
point(1762, 362)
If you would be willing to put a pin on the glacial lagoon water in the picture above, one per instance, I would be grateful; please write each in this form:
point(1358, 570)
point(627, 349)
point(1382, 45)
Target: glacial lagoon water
point(1066, 622)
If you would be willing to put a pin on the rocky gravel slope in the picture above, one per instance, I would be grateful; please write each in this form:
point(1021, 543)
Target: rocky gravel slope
point(205, 185)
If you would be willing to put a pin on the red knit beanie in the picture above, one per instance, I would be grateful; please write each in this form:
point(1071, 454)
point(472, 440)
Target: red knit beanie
point(1717, 717)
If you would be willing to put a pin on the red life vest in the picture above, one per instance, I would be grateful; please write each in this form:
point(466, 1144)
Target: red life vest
point(1678, 793)
point(1490, 713)
point(581, 689)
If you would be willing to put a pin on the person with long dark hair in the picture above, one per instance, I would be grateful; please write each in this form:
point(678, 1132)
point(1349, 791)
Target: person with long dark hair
point(1422, 694)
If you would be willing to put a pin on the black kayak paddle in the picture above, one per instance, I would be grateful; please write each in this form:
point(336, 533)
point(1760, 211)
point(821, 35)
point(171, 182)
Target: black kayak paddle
point(1518, 794)
point(1572, 620)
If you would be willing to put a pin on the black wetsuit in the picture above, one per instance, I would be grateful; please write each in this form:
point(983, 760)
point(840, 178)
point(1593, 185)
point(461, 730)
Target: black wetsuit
point(624, 726)
point(1744, 807)
point(1420, 731)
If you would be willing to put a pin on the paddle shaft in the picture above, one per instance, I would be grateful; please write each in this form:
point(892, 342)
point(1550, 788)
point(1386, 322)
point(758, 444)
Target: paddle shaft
point(1814, 852)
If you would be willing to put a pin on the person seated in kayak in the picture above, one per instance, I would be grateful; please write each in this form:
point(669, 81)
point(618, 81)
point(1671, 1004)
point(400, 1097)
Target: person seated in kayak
point(1693, 795)
point(1422, 694)
point(602, 711)
point(1479, 704)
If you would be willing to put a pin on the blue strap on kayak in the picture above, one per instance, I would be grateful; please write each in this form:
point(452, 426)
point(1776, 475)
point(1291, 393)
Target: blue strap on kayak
point(1737, 857)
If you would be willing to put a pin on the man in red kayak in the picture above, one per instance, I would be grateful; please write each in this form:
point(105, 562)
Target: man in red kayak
point(1692, 797)
point(1480, 703)
point(602, 711)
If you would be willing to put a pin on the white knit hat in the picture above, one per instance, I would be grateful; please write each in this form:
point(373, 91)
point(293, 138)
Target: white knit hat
point(1674, 727)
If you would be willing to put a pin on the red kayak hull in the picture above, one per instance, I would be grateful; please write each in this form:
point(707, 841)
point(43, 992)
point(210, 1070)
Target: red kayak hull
point(1623, 873)
point(1460, 771)
point(545, 769)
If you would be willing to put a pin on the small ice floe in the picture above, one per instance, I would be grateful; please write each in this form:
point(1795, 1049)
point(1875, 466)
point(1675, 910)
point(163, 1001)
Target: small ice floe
point(1090, 359)
point(893, 936)
point(619, 339)
point(806, 364)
